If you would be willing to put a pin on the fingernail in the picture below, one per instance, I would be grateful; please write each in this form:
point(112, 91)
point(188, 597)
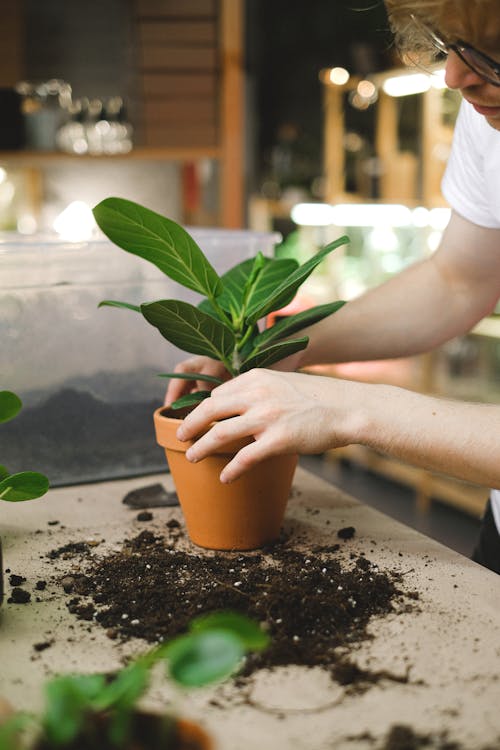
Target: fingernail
point(180, 434)
point(190, 457)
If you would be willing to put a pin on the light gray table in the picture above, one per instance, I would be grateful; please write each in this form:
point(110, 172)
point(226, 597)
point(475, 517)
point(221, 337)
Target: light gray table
point(452, 643)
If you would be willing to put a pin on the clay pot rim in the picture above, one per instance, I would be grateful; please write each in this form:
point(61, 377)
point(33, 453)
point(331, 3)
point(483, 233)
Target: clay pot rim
point(166, 424)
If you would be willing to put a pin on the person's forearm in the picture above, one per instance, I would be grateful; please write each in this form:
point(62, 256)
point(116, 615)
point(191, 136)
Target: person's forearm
point(453, 437)
point(409, 314)
point(418, 309)
point(298, 413)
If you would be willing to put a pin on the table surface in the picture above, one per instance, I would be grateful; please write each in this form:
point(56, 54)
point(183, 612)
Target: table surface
point(452, 643)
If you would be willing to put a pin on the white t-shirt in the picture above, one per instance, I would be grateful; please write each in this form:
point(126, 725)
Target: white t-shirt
point(471, 185)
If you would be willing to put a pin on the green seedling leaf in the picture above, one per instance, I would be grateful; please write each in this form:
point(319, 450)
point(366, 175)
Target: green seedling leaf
point(282, 294)
point(160, 241)
point(198, 659)
point(190, 328)
point(68, 699)
point(11, 730)
point(27, 485)
point(249, 632)
point(4, 473)
point(190, 399)
point(115, 303)
point(274, 353)
point(241, 295)
point(191, 376)
point(126, 688)
point(10, 405)
point(293, 323)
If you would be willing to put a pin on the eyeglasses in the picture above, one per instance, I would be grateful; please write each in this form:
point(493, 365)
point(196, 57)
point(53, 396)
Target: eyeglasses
point(480, 63)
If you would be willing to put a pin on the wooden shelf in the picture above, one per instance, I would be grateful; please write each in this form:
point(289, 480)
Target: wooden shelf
point(33, 158)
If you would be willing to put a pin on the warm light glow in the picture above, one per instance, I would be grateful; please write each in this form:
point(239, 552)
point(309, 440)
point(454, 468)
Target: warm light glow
point(383, 239)
point(371, 215)
point(76, 223)
point(26, 224)
point(366, 89)
point(3, 175)
point(378, 215)
point(405, 85)
point(358, 102)
point(312, 214)
point(420, 216)
point(434, 240)
point(439, 218)
point(437, 79)
point(339, 76)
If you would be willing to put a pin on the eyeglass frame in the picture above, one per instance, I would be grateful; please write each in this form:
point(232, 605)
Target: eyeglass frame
point(459, 47)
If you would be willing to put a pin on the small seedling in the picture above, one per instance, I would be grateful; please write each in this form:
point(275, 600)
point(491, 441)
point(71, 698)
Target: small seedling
point(212, 649)
point(25, 485)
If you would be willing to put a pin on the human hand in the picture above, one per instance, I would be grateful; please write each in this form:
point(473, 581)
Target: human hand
point(283, 412)
point(205, 365)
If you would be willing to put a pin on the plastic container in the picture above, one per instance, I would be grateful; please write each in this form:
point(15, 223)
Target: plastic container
point(87, 376)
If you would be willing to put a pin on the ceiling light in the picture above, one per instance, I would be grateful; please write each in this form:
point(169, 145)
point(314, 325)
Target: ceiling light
point(339, 76)
point(405, 85)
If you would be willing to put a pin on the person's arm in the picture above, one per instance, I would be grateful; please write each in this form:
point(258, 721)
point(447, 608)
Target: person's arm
point(420, 308)
point(415, 311)
point(301, 413)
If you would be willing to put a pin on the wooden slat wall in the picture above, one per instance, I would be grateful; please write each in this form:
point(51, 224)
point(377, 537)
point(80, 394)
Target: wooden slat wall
point(178, 60)
point(11, 44)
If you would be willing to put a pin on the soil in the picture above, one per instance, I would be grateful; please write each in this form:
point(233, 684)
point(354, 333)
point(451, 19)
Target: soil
point(112, 439)
point(315, 605)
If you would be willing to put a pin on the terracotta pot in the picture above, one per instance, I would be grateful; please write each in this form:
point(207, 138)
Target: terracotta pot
point(192, 737)
point(147, 732)
point(243, 515)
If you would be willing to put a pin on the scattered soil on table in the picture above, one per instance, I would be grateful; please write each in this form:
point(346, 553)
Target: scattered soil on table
point(19, 596)
point(314, 605)
point(402, 737)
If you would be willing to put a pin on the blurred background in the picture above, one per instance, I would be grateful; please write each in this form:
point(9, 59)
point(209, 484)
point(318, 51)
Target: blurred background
point(263, 125)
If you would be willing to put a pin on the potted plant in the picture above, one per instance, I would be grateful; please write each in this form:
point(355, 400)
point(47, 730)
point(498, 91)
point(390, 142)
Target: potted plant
point(83, 712)
point(24, 485)
point(224, 326)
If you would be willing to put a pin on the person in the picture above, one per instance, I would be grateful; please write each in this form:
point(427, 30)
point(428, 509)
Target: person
point(420, 308)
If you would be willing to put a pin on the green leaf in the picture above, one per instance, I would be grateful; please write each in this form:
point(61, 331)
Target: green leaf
point(10, 405)
point(197, 659)
point(206, 306)
point(115, 303)
point(249, 632)
point(273, 272)
point(274, 353)
point(283, 293)
point(293, 323)
point(190, 399)
point(191, 376)
point(68, 698)
point(3, 472)
point(160, 241)
point(27, 485)
point(190, 328)
point(126, 688)
point(11, 730)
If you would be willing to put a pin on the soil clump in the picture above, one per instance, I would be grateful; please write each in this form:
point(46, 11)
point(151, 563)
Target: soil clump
point(315, 605)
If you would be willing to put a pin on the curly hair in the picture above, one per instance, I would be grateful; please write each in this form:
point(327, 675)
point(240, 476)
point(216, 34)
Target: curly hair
point(474, 21)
